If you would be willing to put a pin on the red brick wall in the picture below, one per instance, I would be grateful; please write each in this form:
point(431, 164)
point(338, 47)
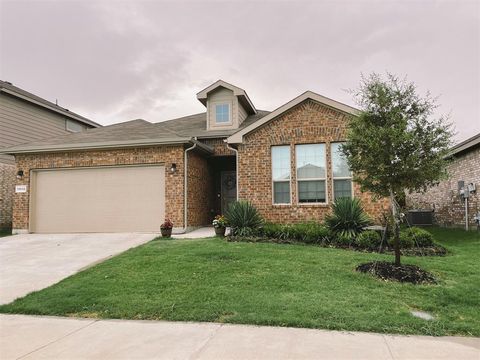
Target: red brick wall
point(130, 156)
point(309, 122)
point(219, 147)
point(449, 207)
point(199, 190)
point(7, 184)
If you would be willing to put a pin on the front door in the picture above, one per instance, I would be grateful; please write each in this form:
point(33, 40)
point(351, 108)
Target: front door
point(228, 188)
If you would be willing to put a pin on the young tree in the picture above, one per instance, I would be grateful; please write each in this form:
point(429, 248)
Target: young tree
point(394, 145)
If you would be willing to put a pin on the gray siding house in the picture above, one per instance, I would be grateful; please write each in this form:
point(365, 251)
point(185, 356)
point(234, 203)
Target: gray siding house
point(25, 117)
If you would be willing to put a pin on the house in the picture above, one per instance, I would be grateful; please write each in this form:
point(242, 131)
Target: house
point(25, 117)
point(129, 176)
point(445, 199)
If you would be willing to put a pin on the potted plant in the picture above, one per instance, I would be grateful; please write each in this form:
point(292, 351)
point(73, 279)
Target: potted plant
point(220, 225)
point(166, 228)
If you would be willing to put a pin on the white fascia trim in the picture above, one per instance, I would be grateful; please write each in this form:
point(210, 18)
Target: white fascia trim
point(237, 138)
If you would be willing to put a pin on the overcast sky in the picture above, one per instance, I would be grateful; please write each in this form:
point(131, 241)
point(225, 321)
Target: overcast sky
point(116, 61)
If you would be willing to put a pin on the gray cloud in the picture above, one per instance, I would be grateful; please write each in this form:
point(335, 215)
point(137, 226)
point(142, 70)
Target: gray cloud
point(114, 61)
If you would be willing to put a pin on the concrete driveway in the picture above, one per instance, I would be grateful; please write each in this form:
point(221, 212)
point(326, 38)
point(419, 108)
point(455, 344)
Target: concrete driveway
point(31, 262)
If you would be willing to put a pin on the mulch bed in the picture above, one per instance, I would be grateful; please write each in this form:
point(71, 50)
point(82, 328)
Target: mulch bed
point(404, 273)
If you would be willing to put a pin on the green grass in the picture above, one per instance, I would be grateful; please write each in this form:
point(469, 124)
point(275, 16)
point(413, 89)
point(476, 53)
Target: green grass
point(5, 232)
point(271, 284)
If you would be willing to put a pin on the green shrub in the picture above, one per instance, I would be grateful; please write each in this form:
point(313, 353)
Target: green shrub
point(341, 240)
point(271, 230)
point(348, 218)
point(369, 240)
point(406, 241)
point(309, 233)
point(243, 218)
point(419, 237)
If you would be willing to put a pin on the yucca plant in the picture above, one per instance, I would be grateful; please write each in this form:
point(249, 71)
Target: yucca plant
point(243, 218)
point(347, 218)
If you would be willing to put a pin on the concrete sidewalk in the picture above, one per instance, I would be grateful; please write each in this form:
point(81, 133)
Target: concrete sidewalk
point(31, 337)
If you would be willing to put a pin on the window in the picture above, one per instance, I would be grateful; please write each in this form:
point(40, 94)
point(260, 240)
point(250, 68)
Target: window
point(342, 176)
point(222, 113)
point(73, 126)
point(311, 173)
point(281, 174)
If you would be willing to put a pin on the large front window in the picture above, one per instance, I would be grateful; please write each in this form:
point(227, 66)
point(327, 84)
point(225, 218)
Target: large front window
point(281, 174)
point(342, 176)
point(222, 113)
point(311, 173)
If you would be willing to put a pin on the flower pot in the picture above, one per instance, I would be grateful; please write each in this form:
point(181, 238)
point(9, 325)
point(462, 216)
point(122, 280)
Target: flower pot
point(166, 232)
point(220, 231)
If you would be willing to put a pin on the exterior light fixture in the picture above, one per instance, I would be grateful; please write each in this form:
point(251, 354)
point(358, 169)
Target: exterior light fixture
point(20, 174)
point(173, 168)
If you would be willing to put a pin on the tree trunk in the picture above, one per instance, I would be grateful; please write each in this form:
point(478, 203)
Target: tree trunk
point(396, 236)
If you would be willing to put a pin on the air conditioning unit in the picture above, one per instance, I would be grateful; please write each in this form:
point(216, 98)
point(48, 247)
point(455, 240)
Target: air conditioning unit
point(420, 217)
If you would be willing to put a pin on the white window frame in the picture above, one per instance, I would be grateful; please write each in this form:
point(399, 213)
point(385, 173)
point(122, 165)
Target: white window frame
point(68, 121)
point(312, 179)
point(283, 181)
point(340, 177)
point(230, 117)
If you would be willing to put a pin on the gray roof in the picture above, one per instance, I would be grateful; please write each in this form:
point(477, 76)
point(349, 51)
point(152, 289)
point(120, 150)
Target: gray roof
point(196, 125)
point(127, 134)
point(135, 133)
point(465, 145)
point(8, 88)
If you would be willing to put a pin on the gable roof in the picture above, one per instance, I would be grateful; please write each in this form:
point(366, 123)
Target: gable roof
point(238, 92)
point(465, 145)
point(8, 88)
point(237, 138)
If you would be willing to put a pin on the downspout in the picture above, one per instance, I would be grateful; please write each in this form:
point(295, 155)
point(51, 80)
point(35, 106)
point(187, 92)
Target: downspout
point(236, 162)
point(185, 187)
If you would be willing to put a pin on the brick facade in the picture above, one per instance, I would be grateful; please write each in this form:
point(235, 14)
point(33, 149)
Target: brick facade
point(219, 147)
point(199, 190)
point(308, 122)
point(444, 198)
point(130, 156)
point(7, 185)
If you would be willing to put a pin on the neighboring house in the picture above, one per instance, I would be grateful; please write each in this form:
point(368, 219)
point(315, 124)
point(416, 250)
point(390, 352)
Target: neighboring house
point(445, 199)
point(25, 117)
point(129, 176)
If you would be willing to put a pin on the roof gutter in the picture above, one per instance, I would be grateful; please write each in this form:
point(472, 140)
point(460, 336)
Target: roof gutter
point(185, 188)
point(105, 145)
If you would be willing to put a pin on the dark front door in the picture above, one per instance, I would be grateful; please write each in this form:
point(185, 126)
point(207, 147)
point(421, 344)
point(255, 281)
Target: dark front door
point(228, 192)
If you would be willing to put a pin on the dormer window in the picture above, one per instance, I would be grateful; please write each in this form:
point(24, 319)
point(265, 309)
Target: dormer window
point(227, 106)
point(222, 113)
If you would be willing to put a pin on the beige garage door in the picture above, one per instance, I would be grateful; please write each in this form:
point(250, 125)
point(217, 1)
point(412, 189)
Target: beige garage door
point(102, 199)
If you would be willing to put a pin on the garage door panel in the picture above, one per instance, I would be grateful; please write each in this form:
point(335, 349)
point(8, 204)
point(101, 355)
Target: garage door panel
point(117, 199)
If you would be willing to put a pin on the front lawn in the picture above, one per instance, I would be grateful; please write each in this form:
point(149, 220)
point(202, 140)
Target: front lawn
point(271, 284)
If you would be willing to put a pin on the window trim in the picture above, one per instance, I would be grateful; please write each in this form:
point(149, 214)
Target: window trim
point(339, 177)
point(230, 115)
point(69, 121)
point(278, 181)
point(325, 179)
